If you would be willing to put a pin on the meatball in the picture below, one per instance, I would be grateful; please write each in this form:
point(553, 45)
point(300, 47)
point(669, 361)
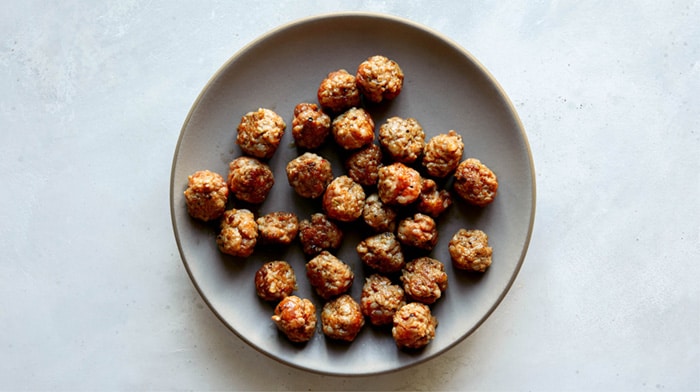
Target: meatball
point(338, 91)
point(403, 139)
point(379, 78)
point(318, 234)
point(329, 275)
point(309, 175)
point(296, 318)
point(381, 252)
point(341, 318)
point(442, 154)
point(206, 195)
point(378, 215)
point(433, 201)
point(278, 227)
point(353, 129)
point(363, 165)
point(310, 126)
point(424, 279)
point(250, 180)
point(475, 183)
point(238, 234)
point(419, 231)
point(380, 299)
point(275, 280)
point(260, 133)
point(398, 184)
point(414, 326)
point(344, 199)
point(470, 250)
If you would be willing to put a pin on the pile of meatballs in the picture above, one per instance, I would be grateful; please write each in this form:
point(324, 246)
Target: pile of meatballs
point(391, 187)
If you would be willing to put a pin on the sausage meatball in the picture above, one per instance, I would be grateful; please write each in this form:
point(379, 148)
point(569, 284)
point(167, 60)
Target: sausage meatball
point(424, 279)
point(329, 275)
point(318, 234)
point(344, 199)
point(414, 326)
point(433, 201)
point(278, 227)
point(363, 165)
point(402, 138)
point(380, 299)
point(475, 183)
point(342, 319)
point(309, 174)
point(260, 133)
point(206, 195)
point(378, 215)
point(296, 318)
point(250, 180)
point(353, 129)
point(381, 252)
point(419, 231)
point(238, 234)
point(470, 250)
point(379, 78)
point(442, 154)
point(338, 91)
point(275, 280)
point(310, 126)
point(398, 184)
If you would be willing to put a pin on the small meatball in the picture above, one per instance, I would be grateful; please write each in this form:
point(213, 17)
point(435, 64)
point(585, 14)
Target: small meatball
point(341, 318)
point(398, 184)
point(310, 126)
point(275, 280)
point(442, 154)
point(309, 175)
point(296, 318)
point(238, 234)
point(419, 231)
point(414, 326)
point(319, 234)
point(403, 139)
point(260, 133)
point(424, 279)
point(380, 299)
point(353, 129)
point(378, 215)
point(470, 250)
point(379, 78)
point(206, 195)
point(278, 227)
point(338, 92)
point(329, 275)
point(344, 199)
point(381, 252)
point(433, 201)
point(250, 180)
point(475, 183)
point(363, 165)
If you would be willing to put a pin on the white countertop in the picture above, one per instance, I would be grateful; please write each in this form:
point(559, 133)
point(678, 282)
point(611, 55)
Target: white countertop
point(94, 295)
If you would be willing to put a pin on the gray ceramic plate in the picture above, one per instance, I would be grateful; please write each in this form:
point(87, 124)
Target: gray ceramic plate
point(445, 88)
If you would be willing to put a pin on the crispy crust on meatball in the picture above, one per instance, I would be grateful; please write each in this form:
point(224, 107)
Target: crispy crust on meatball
point(343, 199)
point(338, 91)
point(310, 126)
point(239, 233)
point(260, 133)
point(381, 252)
point(424, 279)
point(419, 231)
point(470, 250)
point(206, 195)
point(379, 78)
point(475, 182)
point(380, 299)
point(363, 165)
point(329, 275)
point(402, 138)
point(414, 326)
point(353, 129)
point(342, 319)
point(309, 174)
point(433, 201)
point(377, 215)
point(296, 318)
point(318, 234)
point(250, 180)
point(275, 280)
point(278, 227)
point(442, 154)
point(398, 184)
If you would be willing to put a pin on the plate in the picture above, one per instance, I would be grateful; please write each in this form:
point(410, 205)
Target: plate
point(445, 88)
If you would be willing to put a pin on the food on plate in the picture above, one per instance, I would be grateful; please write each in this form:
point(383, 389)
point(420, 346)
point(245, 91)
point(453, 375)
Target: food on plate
point(414, 326)
point(260, 133)
point(380, 299)
point(433, 201)
point(310, 126)
point(419, 231)
point(363, 165)
point(250, 180)
point(424, 279)
point(206, 195)
point(318, 234)
point(296, 318)
point(377, 215)
point(353, 129)
point(470, 250)
point(338, 92)
point(442, 154)
point(278, 227)
point(341, 318)
point(328, 275)
point(379, 78)
point(402, 138)
point(398, 184)
point(309, 174)
point(275, 280)
point(475, 182)
point(381, 252)
point(238, 234)
point(343, 199)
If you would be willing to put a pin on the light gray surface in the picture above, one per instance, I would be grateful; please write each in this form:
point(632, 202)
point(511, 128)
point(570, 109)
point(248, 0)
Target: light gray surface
point(94, 295)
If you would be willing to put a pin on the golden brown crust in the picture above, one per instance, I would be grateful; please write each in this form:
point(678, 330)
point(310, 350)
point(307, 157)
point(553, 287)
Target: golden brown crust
point(342, 319)
point(363, 165)
point(381, 252)
point(318, 234)
point(206, 195)
point(470, 250)
point(353, 129)
point(343, 199)
point(310, 126)
point(414, 326)
point(398, 184)
point(380, 299)
point(424, 279)
point(296, 318)
point(260, 133)
point(475, 182)
point(338, 92)
point(442, 154)
point(250, 180)
point(278, 227)
point(379, 78)
point(329, 275)
point(275, 280)
point(419, 231)
point(402, 138)
point(309, 174)
point(239, 233)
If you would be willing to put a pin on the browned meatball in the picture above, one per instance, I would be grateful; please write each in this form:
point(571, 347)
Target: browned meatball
point(278, 227)
point(378, 215)
point(344, 199)
point(206, 195)
point(398, 184)
point(250, 180)
point(338, 91)
point(260, 133)
point(353, 129)
point(419, 231)
point(433, 201)
point(424, 279)
point(342, 319)
point(329, 275)
point(310, 126)
point(309, 174)
point(380, 299)
point(442, 154)
point(296, 318)
point(363, 165)
point(475, 183)
point(402, 138)
point(470, 250)
point(379, 78)
point(239, 233)
point(318, 234)
point(414, 326)
point(275, 280)
point(381, 252)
